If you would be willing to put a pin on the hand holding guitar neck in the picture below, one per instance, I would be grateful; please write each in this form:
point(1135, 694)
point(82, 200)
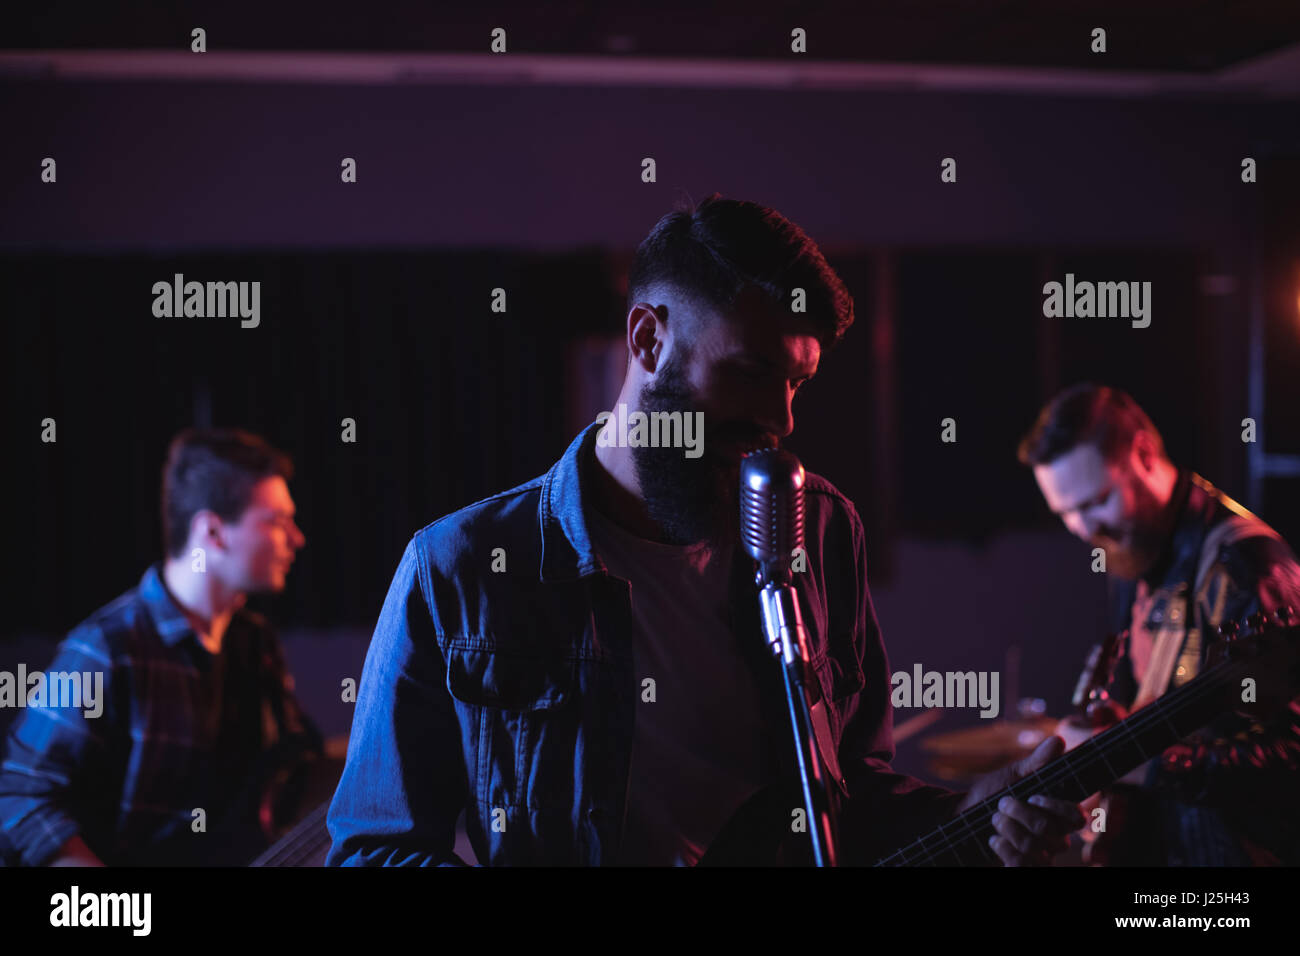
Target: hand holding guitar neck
point(1095, 710)
point(1259, 672)
point(1026, 833)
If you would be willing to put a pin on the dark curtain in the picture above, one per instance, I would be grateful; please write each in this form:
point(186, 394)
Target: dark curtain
point(452, 403)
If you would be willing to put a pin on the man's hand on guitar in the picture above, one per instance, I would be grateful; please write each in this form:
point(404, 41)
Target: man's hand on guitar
point(1101, 716)
point(1028, 833)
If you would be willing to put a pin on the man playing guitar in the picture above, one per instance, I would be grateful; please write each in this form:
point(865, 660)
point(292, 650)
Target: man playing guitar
point(1183, 558)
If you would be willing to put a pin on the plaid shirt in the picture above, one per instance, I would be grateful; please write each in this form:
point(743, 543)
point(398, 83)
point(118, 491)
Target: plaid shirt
point(181, 729)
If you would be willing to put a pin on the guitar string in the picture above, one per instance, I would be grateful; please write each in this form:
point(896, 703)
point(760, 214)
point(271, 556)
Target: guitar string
point(303, 843)
point(962, 828)
point(311, 846)
point(309, 838)
point(965, 826)
point(313, 837)
point(305, 840)
point(304, 837)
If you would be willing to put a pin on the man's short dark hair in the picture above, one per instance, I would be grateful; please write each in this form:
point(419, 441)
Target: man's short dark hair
point(713, 251)
point(213, 469)
point(1087, 414)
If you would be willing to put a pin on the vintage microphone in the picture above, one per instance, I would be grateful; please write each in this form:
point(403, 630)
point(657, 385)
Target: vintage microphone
point(772, 529)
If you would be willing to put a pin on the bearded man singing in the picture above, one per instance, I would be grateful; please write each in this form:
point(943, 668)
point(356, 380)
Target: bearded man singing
point(606, 696)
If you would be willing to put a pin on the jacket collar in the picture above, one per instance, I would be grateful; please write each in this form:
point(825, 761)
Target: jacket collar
point(168, 619)
point(567, 551)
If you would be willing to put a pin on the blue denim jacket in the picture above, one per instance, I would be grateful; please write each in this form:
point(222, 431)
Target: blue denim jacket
point(511, 693)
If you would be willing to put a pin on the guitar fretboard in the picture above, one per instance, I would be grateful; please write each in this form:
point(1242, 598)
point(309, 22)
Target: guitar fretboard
point(305, 845)
point(1076, 775)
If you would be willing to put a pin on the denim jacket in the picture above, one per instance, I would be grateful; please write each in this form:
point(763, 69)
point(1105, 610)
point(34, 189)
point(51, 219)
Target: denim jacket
point(500, 681)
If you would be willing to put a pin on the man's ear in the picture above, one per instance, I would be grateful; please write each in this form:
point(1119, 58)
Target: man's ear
point(646, 334)
point(1143, 455)
point(207, 530)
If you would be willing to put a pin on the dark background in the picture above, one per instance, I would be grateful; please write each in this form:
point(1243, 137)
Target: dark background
point(375, 295)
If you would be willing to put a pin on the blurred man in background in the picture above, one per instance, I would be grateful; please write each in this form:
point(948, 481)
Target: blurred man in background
point(1183, 559)
point(198, 713)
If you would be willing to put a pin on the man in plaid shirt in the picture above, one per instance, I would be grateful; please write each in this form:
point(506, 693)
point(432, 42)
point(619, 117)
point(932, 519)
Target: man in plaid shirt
point(197, 706)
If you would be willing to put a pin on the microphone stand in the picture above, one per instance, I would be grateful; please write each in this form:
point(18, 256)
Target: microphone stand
point(783, 626)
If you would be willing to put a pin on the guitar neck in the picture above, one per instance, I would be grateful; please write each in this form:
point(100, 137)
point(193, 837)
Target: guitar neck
point(305, 845)
point(963, 841)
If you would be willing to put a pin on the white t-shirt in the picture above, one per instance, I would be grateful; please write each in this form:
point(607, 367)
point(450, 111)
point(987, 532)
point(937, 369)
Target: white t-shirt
point(697, 747)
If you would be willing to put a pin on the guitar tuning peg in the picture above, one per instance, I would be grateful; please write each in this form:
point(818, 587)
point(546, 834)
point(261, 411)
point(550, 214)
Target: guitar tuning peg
point(1257, 621)
point(1285, 615)
point(1229, 629)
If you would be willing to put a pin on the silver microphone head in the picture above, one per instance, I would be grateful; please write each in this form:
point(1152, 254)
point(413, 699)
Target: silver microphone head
point(772, 510)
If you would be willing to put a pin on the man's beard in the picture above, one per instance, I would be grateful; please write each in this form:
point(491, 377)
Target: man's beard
point(1132, 558)
point(693, 499)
